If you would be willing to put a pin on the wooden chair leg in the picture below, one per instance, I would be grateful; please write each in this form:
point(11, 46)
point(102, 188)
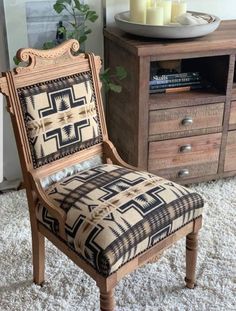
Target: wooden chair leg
point(191, 258)
point(38, 247)
point(107, 301)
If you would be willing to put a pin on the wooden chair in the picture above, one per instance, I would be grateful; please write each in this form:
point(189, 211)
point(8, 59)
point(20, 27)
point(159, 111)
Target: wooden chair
point(106, 216)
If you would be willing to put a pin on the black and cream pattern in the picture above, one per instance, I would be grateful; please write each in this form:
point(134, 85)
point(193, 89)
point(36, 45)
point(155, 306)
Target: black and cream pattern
point(60, 117)
point(114, 214)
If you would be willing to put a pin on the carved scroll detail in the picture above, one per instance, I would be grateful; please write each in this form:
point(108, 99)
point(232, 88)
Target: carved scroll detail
point(4, 87)
point(37, 59)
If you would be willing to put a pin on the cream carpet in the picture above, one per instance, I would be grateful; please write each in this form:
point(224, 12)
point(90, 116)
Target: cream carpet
point(156, 286)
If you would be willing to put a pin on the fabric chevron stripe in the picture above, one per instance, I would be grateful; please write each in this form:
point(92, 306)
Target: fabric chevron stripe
point(60, 117)
point(114, 214)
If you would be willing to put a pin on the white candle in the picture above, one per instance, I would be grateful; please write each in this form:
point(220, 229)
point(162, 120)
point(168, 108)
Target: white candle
point(178, 8)
point(138, 11)
point(167, 6)
point(155, 16)
point(149, 3)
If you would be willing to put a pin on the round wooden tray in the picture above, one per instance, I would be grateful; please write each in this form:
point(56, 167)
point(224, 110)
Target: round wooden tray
point(172, 31)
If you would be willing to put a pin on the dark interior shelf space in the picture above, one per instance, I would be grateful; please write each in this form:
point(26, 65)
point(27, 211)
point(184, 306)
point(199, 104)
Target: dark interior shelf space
point(212, 76)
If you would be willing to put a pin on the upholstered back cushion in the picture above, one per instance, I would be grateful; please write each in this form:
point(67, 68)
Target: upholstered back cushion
point(60, 116)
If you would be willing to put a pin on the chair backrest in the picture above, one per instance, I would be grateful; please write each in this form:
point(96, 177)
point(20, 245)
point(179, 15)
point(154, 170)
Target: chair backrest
point(55, 104)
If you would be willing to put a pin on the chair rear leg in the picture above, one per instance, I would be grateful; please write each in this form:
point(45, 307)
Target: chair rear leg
point(38, 247)
point(107, 301)
point(191, 259)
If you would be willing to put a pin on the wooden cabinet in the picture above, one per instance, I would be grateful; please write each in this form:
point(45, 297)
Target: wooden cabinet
point(184, 158)
point(230, 158)
point(185, 136)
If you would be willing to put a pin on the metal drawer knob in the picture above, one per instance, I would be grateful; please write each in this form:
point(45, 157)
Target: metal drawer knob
point(187, 121)
point(185, 148)
point(183, 173)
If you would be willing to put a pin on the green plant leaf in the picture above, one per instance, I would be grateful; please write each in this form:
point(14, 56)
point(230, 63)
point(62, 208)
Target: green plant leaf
point(120, 73)
point(91, 16)
point(88, 31)
point(105, 76)
point(16, 60)
point(77, 4)
point(115, 87)
point(49, 45)
point(82, 38)
point(62, 30)
point(84, 8)
point(71, 35)
point(58, 7)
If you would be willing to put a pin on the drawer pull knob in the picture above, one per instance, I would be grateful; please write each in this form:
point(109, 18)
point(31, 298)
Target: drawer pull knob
point(185, 148)
point(187, 121)
point(183, 173)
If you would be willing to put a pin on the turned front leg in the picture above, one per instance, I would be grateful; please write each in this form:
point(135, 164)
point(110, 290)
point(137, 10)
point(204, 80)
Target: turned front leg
point(107, 301)
point(191, 259)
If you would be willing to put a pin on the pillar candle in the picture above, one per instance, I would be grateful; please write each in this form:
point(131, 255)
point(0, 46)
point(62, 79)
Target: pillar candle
point(138, 11)
point(178, 8)
point(167, 6)
point(149, 3)
point(155, 16)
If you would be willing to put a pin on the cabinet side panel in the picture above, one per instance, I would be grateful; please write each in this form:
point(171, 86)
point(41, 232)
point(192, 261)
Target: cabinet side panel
point(122, 108)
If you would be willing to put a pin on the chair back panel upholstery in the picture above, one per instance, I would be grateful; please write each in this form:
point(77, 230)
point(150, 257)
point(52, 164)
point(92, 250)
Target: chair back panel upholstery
point(55, 103)
point(60, 117)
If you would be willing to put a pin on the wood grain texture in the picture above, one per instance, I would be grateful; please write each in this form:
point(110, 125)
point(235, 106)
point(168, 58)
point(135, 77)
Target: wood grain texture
point(107, 301)
point(230, 158)
point(211, 109)
point(191, 259)
point(172, 120)
point(167, 154)
point(217, 43)
point(232, 119)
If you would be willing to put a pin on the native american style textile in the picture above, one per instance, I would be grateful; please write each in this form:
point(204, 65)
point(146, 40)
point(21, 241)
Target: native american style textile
point(60, 117)
point(114, 214)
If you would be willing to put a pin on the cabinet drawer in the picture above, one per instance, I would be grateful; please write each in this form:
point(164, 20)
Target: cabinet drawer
point(232, 119)
point(230, 157)
point(185, 157)
point(186, 120)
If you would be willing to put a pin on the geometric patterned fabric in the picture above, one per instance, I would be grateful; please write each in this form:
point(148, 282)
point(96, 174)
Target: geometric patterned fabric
point(60, 117)
point(114, 213)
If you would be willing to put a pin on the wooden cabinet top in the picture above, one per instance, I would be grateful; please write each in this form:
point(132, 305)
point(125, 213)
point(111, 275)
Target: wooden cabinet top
point(222, 41)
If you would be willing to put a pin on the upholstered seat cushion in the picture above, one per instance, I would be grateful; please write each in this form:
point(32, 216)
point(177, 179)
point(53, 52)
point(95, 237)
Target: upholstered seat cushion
point(114, 214)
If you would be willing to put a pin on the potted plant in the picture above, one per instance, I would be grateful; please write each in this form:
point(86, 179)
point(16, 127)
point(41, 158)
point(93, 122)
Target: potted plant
point(78, 28)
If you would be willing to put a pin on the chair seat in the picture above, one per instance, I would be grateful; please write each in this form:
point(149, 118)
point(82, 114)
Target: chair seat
point(114, 213)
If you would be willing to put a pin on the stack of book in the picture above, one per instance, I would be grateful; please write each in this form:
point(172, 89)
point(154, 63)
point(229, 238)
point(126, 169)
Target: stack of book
point(176, 82)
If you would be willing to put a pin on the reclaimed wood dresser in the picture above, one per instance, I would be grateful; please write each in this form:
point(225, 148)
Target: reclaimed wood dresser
point(184, 136)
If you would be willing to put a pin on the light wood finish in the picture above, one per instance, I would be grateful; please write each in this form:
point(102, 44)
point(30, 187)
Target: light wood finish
point(141, 125)
point(43, 66)
point(230, 158)
point(173, 121)
point(198, 154)
point(232, 120)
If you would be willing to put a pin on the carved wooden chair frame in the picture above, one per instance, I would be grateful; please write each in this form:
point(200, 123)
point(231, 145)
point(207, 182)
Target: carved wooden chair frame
point(46, 65)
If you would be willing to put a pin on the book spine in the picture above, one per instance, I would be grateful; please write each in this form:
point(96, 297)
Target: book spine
point(171, 85)
point(176, 76)
point(177, 89)
point(180, 80)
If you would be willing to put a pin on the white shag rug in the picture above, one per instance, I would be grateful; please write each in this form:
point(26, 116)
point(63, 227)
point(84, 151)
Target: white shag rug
point(154, 287)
